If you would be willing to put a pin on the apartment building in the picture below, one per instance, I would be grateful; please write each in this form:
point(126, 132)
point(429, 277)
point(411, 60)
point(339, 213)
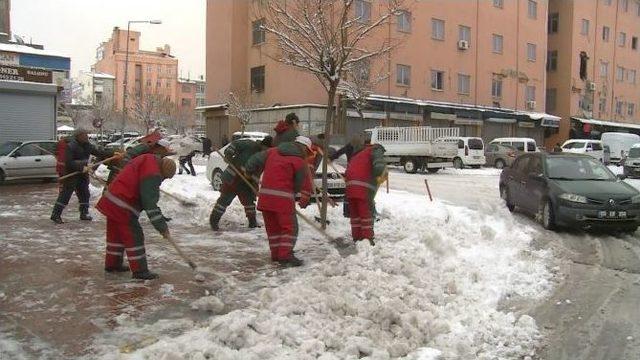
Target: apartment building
point(593, 64)
point(5, 20)
point(149, 73)
point(477, 65)
point(94, 89)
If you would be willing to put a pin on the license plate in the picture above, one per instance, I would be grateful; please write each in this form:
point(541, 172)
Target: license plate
point(604, 214)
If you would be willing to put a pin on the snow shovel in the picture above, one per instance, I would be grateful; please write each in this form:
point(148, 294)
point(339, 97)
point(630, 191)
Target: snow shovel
point(88, 165)
point(198, 276)
point(172, 196)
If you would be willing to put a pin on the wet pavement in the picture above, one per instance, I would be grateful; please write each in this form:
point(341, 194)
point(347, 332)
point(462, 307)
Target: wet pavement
point(57, 302)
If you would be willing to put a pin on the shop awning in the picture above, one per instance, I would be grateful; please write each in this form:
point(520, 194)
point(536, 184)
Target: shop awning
point(607, 123)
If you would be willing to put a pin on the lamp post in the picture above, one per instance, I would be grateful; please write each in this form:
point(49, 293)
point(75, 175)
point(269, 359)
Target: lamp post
point(126, 73)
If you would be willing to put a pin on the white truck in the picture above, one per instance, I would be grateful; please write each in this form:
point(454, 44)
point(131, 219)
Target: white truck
point(619, 144)
point(419, 147)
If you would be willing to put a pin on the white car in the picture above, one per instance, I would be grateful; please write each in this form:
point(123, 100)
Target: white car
point(470, 152)
point(619, 144)
point(593, 148)
point(28, 160)
point(522, 145)
point(116, 145)
point(216, 166)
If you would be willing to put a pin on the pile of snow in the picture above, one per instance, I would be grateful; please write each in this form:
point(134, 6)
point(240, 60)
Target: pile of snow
point(429, 288)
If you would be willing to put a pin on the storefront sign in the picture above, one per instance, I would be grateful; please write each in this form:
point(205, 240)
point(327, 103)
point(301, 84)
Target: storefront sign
point(525, 124)
point(461, 121)
point(14, 73)
point(9, 58)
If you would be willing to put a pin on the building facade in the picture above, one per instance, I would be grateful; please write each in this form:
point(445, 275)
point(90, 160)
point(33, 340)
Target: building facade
point(456, 65)
point(593, 64)
point(150, 73)
point(5, 20)
point(95, 89)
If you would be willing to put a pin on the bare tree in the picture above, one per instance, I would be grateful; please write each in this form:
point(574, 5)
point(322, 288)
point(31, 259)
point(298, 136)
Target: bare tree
point(327, 39)
point(240, 108)
point(150, 109)
point(179, 119)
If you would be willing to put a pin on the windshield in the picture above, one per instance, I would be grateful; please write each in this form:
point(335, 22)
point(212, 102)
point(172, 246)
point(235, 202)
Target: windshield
point(634, 152)
point(476, 144)
point(7, 147)
point(574, 145)
point(577, 168)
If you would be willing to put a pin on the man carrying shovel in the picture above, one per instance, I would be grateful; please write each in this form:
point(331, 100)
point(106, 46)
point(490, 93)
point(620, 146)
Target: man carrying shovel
point(76, 159)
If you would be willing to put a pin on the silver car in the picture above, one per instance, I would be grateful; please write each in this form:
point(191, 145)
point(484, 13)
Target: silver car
point(28, 160)
point(500, 156)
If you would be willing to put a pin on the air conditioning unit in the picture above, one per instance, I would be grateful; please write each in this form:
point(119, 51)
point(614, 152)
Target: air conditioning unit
point(531, 105)
point(463, 45)
point(591, 86)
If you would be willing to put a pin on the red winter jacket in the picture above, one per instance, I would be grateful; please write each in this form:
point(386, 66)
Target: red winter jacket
point(363, 170)
point(136, 188)
point(285, 174)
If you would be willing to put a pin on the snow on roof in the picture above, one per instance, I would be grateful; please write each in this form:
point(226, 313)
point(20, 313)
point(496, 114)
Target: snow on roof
point(607, 123)
point(213, 107)
point(24, 49)
point(65, 128)
point(103, 76)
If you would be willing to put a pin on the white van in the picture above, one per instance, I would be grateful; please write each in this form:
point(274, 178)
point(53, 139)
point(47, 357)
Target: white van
point(619, 144)
point(592, 148)
point(523, 145)
point(470, 152)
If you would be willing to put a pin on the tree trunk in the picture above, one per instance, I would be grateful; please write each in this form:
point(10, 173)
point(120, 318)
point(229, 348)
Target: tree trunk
point(325, 149)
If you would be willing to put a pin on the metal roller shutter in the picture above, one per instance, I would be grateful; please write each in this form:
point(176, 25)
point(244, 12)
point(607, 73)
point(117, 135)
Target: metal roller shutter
point(26, 117)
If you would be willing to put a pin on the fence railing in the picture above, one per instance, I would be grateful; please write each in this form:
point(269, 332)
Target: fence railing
point(416, 134)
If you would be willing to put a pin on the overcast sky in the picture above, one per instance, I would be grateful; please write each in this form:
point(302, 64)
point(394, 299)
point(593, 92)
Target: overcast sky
point(75, 28)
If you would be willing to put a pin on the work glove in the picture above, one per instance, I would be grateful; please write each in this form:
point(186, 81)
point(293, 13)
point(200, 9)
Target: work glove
point(87, 170)
point(382, 178)
point(119, 155)
point(304, 202)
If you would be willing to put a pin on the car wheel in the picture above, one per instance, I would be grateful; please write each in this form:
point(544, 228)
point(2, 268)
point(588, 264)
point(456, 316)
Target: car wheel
point(433, 170)
point(1, 176)
point(500, 164)
point(457, 163)
point(216, 180)
point(410, 166)
point(548, 217)
point(504, 194)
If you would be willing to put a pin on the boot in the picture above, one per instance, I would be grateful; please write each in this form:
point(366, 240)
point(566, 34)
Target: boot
point(85, 216)
point(214, 220)
point(57, 219)
point(291, 262)
point(121, 268)
point(253, 222)
point(56, 214)
point(145, 275)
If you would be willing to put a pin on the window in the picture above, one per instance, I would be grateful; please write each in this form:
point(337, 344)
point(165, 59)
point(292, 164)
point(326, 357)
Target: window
point(625, 5)
point(619, 73)
point(607, 2)
point(362, 70)
point(584, 59)
point(532, 9)
point(158, 84)
point(619, 105)
point(634, 43)
point(496, 86)
point(257, 79)
point(404, 21)
point(604, 69)
point(148, 83)
point(552, 25)
point(497, 43)
point(631, 76)
point(531, 52)
point(186, 102)
point(602, 106)
point(498, 3)
point(29, 150)
point(530, 93)
point(638, 8)
point(258, 33)
point(631, 109)
point(149, 68)
point(464, 33)
point(168, 84)
point(552, 60)
point(464, 84)
point(584, 28)
point(403, 75)
point(605, 33)
point(186, 88)
point(363, 10)
point(622, 39)
point(437, 80)
point(550, 102)
point(437, 29)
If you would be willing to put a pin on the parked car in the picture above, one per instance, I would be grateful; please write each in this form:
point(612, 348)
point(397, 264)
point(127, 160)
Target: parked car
point(619, 144)
point(525, 145)
point(632, 162)
point(470, 152)
point(500, 156)
point(574, 190)
point(28, 160)
point(592, 148)
point(216, 165)
point(128, 142)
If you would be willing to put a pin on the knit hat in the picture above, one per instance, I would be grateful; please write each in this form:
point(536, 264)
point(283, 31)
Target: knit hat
point(304, 141)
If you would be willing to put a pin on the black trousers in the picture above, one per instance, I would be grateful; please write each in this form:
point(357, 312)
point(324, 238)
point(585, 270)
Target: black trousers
point(186, 160)
point(78, 184)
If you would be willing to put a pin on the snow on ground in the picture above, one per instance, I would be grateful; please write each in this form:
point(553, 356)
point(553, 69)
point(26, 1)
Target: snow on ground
point(430, 288)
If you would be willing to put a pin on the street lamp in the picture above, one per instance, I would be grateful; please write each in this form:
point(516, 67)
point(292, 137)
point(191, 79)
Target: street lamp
point(126, 73)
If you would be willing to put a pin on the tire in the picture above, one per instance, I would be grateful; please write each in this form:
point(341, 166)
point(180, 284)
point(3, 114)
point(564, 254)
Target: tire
point(410, 166)
point(433, 170)
point(457, 163)
point(2, 177)
point(630, 230)
point(548, 216)
point(500, 164)
point(504, 194)
point(216, 180)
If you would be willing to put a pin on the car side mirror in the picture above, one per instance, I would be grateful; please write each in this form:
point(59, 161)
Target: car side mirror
point(621, 176)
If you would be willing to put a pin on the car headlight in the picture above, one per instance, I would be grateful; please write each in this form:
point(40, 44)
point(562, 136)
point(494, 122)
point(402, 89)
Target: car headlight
point(635, 199)
point(574, 198)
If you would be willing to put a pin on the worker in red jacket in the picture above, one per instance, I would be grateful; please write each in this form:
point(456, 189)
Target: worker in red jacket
point(286, 174)
point(136, 188)
point(365, 172)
